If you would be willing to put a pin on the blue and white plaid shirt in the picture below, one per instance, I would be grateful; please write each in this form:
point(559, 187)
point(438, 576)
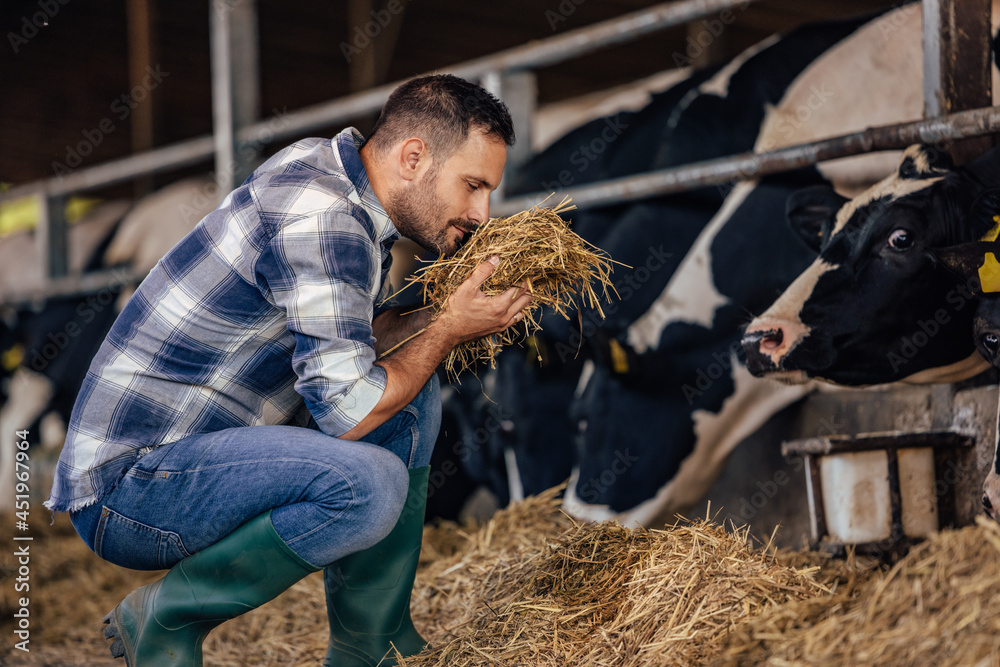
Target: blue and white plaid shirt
point(265, 306)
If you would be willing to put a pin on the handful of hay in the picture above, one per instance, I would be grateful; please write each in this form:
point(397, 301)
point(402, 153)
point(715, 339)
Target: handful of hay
point(535, 247)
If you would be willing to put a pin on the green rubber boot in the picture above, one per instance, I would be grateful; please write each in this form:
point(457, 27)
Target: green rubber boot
point(165, 622)
point(368, 592)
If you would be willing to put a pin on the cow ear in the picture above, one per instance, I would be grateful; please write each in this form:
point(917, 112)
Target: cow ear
point(811, 210)
point(984, 215)
point(974, 262)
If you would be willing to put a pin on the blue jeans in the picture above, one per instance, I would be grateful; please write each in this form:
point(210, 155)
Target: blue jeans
point(328, 497)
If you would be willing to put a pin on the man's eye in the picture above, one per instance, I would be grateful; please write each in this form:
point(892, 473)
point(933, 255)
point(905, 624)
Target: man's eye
point(473, 186)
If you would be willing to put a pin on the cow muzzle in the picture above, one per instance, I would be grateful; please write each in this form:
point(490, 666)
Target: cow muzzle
point(767, 343)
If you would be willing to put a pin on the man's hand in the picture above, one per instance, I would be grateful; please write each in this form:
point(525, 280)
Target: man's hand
point(470, 314)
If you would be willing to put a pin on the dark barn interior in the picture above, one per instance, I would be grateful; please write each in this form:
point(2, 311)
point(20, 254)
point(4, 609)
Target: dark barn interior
point(123, 114)
point(65, 77)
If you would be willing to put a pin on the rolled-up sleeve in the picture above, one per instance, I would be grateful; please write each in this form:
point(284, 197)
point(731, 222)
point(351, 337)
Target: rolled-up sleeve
point(321, 271)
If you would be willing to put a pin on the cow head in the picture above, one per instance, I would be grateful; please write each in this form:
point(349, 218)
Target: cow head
point(976, 263)
point(878, 305)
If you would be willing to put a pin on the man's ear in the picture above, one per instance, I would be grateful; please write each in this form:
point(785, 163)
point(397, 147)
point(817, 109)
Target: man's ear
point(414, 158)
point(810, 209)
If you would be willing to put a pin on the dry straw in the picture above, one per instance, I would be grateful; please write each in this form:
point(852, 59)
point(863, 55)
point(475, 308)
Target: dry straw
point(535, 588)
point(936, 606)
point(532, 587)
point(536, 248)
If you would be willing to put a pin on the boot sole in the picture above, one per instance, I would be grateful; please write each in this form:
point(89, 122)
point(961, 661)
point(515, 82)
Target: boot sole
point(117, 647)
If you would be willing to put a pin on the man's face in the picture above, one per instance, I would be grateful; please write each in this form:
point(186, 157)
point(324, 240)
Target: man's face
point(440, 209)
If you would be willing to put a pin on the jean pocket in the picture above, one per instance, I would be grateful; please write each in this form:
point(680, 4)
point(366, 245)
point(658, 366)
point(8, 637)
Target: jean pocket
point(129, 543)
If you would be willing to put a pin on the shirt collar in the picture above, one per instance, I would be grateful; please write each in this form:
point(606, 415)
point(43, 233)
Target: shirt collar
point(348, 144)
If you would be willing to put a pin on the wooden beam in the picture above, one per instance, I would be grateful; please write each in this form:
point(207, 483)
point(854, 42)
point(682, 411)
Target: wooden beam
point(385, 47)
point(957, 74)
point(141, 48)
point(361, 65)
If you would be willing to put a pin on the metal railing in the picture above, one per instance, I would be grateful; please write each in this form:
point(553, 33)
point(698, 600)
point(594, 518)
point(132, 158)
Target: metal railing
point(494, 72)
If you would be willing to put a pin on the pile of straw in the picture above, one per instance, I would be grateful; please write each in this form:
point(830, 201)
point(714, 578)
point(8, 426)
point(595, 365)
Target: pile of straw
point(535, 588)
point(936, 606)
point(535, 247)
point(532, 587)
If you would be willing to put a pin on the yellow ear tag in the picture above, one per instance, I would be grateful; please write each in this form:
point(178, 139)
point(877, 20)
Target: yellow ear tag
point(994, 230)
point(11, 358)
point(619, 358)
point(989, 273)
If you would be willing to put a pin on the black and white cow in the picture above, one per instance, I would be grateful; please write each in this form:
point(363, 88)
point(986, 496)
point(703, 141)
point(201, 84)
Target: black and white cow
point(51, 345)
point(896, 293)
point(878, 305)
point(716, 402)
point(715, 113)
point(691, 401)
point(975, 263)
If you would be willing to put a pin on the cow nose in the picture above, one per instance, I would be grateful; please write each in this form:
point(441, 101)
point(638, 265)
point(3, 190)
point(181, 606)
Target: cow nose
point(767, 341)
point(988, 506)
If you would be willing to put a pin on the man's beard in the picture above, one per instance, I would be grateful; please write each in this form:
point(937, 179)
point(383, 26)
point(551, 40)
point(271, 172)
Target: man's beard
point(416, 216)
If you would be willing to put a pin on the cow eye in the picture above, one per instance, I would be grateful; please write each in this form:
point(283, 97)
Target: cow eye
point(900, 239)
point(991, 342)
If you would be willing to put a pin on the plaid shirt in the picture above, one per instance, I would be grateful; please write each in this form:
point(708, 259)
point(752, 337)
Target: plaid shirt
point(265, 306)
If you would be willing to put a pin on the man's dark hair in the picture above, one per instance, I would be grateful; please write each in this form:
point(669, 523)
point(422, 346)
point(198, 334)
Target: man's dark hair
point(441, 109)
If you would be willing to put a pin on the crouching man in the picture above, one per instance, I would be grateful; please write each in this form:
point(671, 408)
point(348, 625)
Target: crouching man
point(239, 426)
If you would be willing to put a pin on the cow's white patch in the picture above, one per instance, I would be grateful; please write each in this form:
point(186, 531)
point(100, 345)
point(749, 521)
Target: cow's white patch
point(690, 296)
point(971, 366)
point(581, 510)
point(515, 487)
point(788, 306)
point(30, 393)
point(891, 188)
point(752, 403)
point(882, 58)
point(586, 373)
point(719, 84)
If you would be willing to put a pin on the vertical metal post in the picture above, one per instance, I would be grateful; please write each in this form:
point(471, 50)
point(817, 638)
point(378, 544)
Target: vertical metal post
point(246, 64)
point(223, 121)
point(50, 236)
point(519, 91)
point(235, 86)
point(957, 73)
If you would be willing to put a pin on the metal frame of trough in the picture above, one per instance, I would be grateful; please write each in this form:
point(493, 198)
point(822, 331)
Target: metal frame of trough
point(955, 34)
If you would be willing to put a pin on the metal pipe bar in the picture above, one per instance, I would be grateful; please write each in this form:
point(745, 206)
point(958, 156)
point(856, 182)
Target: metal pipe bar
point(748, 165)
point(600, 35)
point(223, 113)
point(181, 154)
point(74, 285)
point(753, 165)
point(544, 52)
point(957, 64)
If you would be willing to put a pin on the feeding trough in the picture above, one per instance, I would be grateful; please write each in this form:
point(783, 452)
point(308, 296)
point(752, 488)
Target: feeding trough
point(878, 492)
